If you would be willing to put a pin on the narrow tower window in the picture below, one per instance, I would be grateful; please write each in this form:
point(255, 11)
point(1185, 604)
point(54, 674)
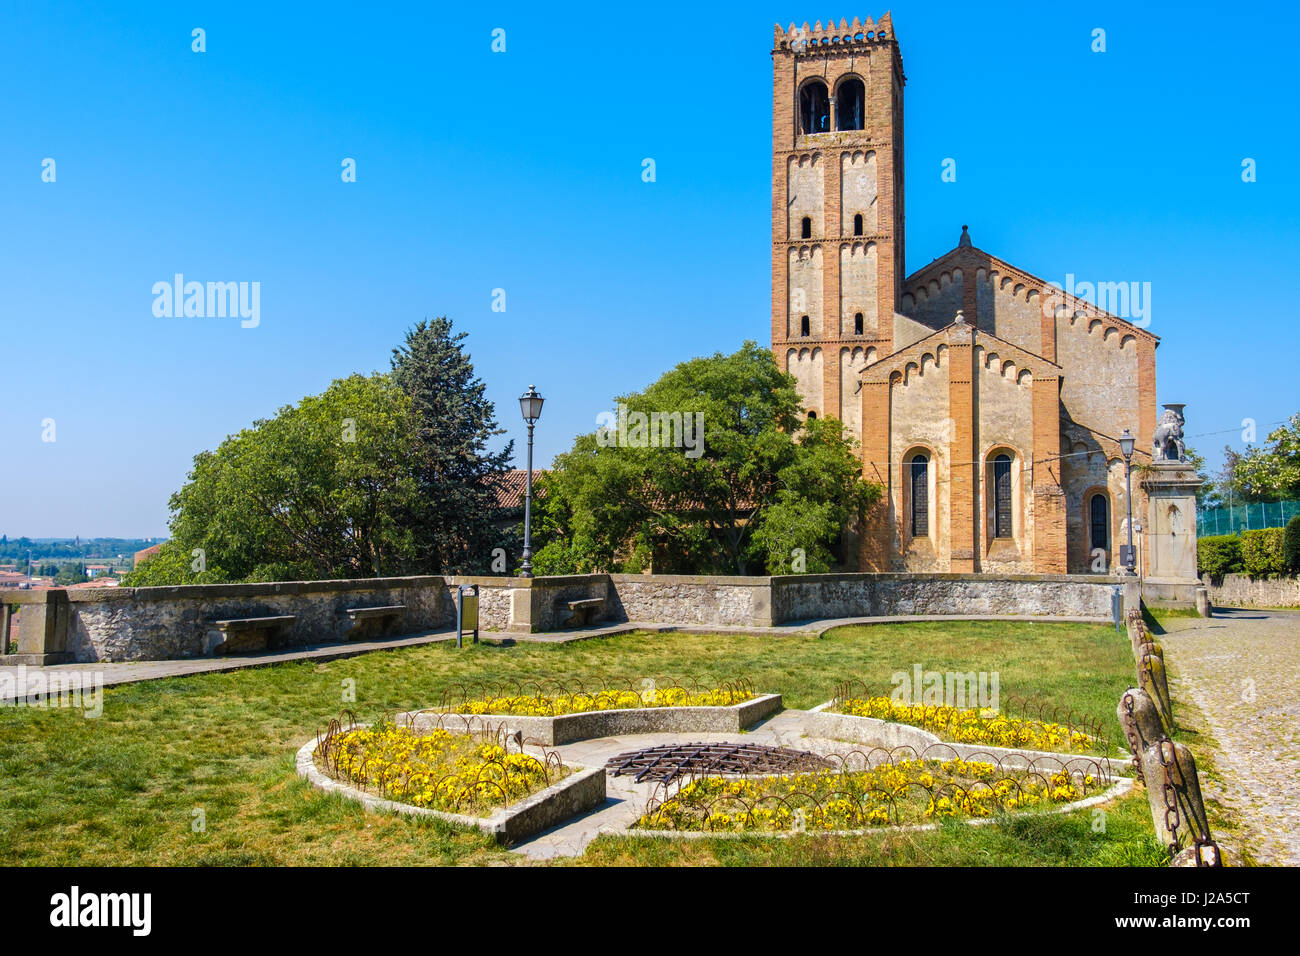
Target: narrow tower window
point(814, 108)
point(920, 475)
point(849, 104)
point(1002, 496)
point(857, 224)
point(803, 326)
point(857, 323)
point(806, 228)
point(1099, 519)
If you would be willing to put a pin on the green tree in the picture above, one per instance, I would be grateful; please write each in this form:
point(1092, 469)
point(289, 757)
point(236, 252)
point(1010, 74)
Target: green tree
point(74, 572)
point(1271, 471)
point(759, 485)
point(316, 491)
point(451, 516)
point(1209, 494)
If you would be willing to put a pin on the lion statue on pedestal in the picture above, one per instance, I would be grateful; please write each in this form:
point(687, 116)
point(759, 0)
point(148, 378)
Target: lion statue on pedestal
point(1167, 443)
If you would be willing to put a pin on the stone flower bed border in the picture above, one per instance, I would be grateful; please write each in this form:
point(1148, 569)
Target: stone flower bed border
point(823, 722)
point(1121, 787)
point(580, 791)
point(570, 728)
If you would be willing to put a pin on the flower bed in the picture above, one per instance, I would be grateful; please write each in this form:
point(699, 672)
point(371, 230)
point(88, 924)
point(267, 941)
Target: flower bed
point(899, 793)
point(440, 770)
point(971, 726)
point(551, 705)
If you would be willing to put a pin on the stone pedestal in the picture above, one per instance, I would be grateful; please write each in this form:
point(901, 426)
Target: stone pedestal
point(42, 628)
point(1171, 533)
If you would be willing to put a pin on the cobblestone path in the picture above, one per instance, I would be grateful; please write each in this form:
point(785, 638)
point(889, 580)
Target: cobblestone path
point(1242, 669)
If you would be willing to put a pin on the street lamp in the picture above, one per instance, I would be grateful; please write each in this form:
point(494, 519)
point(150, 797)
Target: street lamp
point(1126, 443)
point(530, 404)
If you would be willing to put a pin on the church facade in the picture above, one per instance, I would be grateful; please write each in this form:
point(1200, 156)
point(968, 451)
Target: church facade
point(987, 402)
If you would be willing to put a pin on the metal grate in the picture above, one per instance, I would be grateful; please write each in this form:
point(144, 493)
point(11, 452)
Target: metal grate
point(671, 761)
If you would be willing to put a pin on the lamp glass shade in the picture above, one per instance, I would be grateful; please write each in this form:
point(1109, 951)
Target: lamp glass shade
point(1126, 443)
point(530, 404)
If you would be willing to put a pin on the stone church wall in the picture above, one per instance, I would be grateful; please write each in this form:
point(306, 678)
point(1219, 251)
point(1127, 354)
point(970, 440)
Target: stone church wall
point(858, 188)
point(1006, 423)
point(805, 195)
point(805, 271)
point(920, 419)
point(1016, 314)
point(806, 367)
point(853, 361)
point(1100, 385)
point(935, 303)
point(858, 287)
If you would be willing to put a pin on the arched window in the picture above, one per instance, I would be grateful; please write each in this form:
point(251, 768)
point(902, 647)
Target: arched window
point(812, 414)
point(857, 224)
point(920, 495)
point(803, 326)
point(1002, 496)
point(850, 103)
point(806, 228)
point(857, 323)
point(814, 108)
point(1099, 522)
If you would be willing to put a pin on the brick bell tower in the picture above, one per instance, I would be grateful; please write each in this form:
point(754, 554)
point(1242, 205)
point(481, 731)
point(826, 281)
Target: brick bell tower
point(837, 207)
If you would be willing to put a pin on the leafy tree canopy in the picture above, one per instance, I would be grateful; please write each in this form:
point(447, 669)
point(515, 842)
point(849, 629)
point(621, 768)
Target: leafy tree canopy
point(1267, 472)
point(311, 493)
point(759, 490)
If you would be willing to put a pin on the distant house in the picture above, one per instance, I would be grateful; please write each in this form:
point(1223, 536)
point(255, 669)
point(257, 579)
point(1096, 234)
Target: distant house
point(510, 498)
point(146, 555)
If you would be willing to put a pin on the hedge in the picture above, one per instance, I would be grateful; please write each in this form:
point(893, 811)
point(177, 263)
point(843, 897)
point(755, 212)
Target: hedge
point(1219, 554)
point(1261, 551)
point(1291, 544)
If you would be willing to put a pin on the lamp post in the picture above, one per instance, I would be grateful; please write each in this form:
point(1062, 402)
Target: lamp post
point(530, 404)
point(1126, 443)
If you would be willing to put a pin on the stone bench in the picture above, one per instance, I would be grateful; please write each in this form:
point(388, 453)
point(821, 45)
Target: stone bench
point(251, 633)
point(373, 621)
point(581, 610)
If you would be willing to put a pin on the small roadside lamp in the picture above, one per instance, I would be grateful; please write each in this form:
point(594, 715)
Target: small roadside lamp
point(530, 405)
point(1126, 444)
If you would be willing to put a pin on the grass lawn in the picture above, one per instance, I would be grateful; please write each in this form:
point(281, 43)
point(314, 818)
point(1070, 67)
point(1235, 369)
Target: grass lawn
point(133, 786)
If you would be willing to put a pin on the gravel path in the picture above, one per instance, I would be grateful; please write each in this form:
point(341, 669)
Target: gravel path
point(1242, 669)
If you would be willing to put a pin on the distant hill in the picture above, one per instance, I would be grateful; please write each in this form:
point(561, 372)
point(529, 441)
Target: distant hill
point(15, 549)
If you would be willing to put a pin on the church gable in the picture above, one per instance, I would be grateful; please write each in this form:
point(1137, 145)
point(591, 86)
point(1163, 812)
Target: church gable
point(1013, 362)
point(1002, 299)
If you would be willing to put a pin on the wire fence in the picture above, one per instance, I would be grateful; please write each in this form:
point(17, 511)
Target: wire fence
point(1245, 517)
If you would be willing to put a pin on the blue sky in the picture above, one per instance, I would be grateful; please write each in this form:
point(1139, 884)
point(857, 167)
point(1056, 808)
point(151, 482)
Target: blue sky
point(522, 170)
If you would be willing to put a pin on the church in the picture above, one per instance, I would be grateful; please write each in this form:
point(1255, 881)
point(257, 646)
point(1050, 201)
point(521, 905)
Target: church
point(987, 402)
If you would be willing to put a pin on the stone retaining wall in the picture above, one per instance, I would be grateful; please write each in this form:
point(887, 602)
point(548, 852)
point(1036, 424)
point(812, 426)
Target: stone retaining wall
point(1241, 590)
point(130, 624)
point(812, 596)
point(701, 600)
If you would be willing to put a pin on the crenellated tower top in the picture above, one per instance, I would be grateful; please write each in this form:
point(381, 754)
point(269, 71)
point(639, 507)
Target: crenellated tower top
point(816, 39)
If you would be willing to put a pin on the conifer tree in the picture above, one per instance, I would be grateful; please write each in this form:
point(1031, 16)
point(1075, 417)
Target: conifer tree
point(456, 474)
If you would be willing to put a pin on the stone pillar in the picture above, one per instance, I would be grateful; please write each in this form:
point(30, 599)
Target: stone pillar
point(43, 628)
point(1170, 532)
